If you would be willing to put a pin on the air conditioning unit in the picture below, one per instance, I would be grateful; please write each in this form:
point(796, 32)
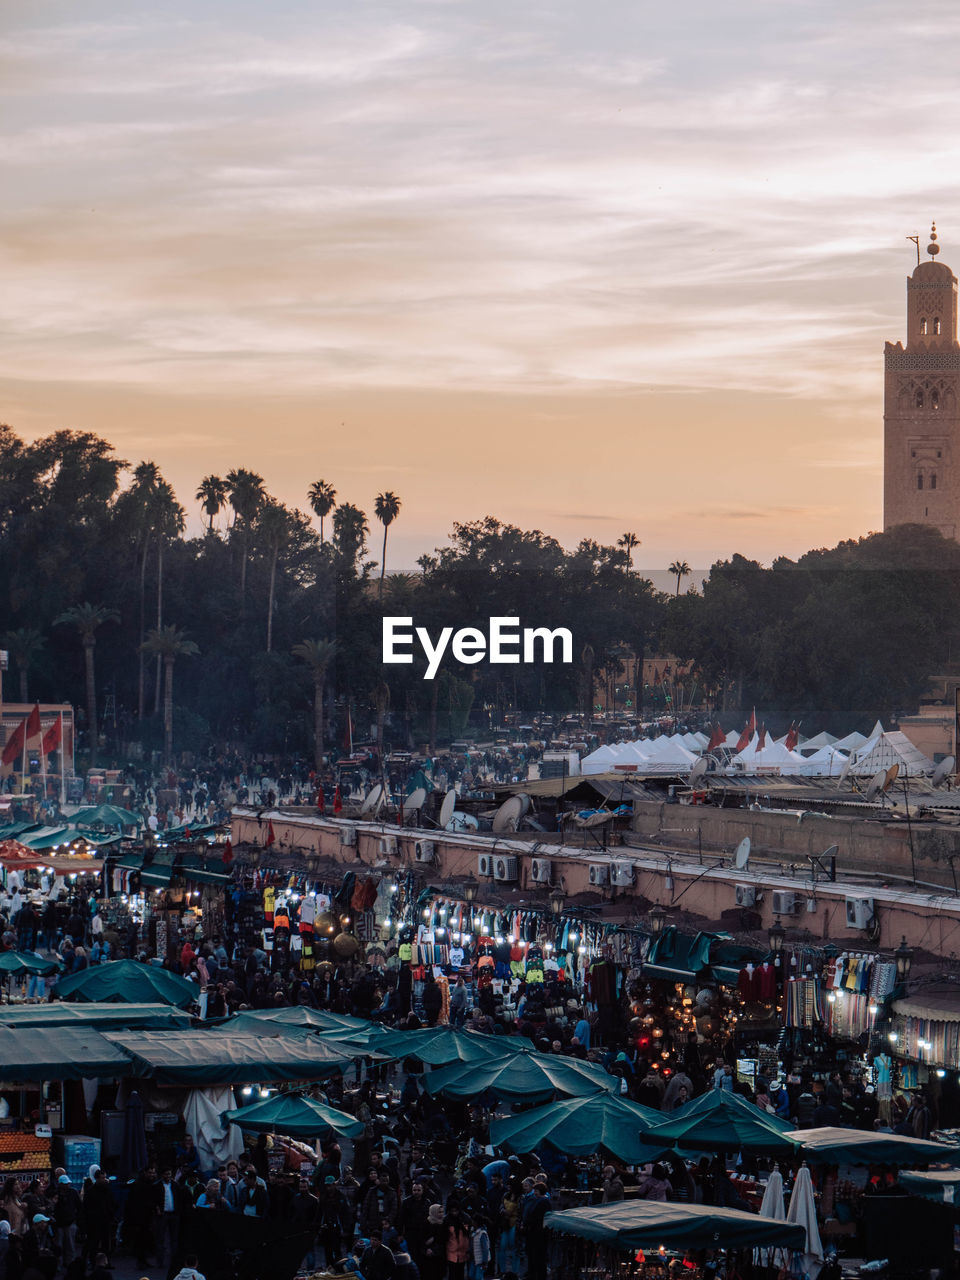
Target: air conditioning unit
point(348, 835)
point(423, 851)
point(860, 913)
point(505, 869)
point(784, 902)
point(599, 873)
point(541, 870)
point(746, 895)
point(621, 874)
point(388, 845)
point(485, 865)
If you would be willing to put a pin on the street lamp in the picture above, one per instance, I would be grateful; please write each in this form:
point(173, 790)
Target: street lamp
point(775, 937)
point(557, 900)
point(469, 890)
point(657, 918)
point(904, 958)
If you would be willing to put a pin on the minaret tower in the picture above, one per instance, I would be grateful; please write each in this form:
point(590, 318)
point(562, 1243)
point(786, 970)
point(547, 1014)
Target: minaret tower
point(921, 405)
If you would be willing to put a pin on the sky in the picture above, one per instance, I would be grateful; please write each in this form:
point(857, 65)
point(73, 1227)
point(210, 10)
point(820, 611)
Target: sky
point(587, 268)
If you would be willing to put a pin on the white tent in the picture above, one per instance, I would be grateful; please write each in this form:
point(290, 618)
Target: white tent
point(828, 762)
point(822, 739)
point(889, 749)
point(599, 761)
point(852, 742)
point(774, 755)
point(732, 738)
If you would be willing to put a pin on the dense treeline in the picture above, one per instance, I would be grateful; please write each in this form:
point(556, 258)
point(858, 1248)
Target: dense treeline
point(267, 631)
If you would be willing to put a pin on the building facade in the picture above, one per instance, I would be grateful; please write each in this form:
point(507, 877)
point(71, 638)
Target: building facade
point(921, 418)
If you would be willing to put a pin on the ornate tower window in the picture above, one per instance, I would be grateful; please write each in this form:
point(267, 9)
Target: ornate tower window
point(920, 480)
point(923, 326)
point(918, 399)
point(934, 399)
point(936, 325)
point(933, 479)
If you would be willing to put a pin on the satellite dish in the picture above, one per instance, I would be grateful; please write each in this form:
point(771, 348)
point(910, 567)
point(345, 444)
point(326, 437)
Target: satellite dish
point(372, 800)
point(463, 822)
point(447, 808)
point(742, 855)
point(845, 771)
point(943, 770)
point(891, 776)
point(876, 782)
point(415, 799)
point(508, 815)
point(526, 802)
point(697, 772)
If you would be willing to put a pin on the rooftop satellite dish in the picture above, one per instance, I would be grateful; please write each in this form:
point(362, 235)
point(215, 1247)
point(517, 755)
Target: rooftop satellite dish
point(890, 776)
point(742, 855)
point(415, 799)
point(447, 808)
point(697, 772)
point(876, 782)
point(508, 815)
point(526, 802)
point(845, 771)
point(943, 770)
point(372, 800)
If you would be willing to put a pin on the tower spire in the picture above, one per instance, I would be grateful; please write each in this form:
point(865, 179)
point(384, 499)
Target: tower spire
point(933, 248)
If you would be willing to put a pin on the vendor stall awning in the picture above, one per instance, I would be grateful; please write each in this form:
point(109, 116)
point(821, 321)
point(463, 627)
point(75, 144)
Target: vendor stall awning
point(113, 1017)
point(935, 1008)
point(204, 871)
point(942, 1185)
point(58, 1053)
point(158, 872)
point(130, 861)
point(645, 1224)
point(854, 1146)
point(129, 982)
point(199, 1058)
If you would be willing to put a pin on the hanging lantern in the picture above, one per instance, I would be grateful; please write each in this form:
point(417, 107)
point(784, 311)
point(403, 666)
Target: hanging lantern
point(345, 945)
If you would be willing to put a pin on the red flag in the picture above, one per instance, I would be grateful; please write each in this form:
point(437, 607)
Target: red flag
point(270, 836)
point(15, 743)
point(337, 800)
point(227, 853)
point(187, 834)
point(762, 737)
point(752, 722)
point(717, 738)
point(321, 800)
point(744, 740)
point(792, 738)
point(34, 728)
point(53, 737)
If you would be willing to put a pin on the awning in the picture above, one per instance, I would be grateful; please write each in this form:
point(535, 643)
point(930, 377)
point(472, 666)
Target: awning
point(646, 1224)
point(935, 1008)
point(941, 1185)
point(160, 870)
point(129, 861)
point(114, 1017)
point(200, 1058)
point(832, 1145)
point(60, 1053)
point(200, 870)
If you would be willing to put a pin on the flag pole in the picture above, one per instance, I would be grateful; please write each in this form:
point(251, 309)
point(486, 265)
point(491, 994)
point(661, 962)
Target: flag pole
point(63, 765)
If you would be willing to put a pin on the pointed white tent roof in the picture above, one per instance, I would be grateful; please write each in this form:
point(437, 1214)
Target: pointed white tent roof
point(852, 742)
point(774, 754)
point(825, 763)
point(732, 738)
point(822, 739)
point(888, 749)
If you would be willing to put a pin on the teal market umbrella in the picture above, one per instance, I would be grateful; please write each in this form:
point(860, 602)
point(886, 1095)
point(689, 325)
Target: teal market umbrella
point(648, 1224)
point(721, 1121)
point(582, 1126)
point(106, 815)
point(130, 982)
point(19, 963)
point(520, 1077)
point(831, 1145)
point(296, 1116)
point(259, 1020)
point(442, 1046)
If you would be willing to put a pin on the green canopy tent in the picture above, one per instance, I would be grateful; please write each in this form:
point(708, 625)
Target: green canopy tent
point(199, 1059)
point(941, 1185)
point(520, 1077)
point(296, 1116)
point(59, 1053)
point(855, 1146)
point(106, 815)
point(18, 964)
point(130, 982)
point(113, 1017)
point(442, 1046)
point(580, 1127)
point(257, 1020)
point(721, 1121)
point(371, 1039)
point(647, 1224)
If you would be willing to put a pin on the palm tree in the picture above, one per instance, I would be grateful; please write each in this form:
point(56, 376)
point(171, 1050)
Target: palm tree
point(350, 531)
point(386, 507)
point(23, 645)
point(321, 497)
point(381, 702)
point(679, 569)
point(587, 656)
point(247, 495)
point(212, 495)
point(169, 643)
point(317, 654)
point(273, 524)
point(169, 521)
point(140, 499)
point(87, 618)
point(629, 541)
